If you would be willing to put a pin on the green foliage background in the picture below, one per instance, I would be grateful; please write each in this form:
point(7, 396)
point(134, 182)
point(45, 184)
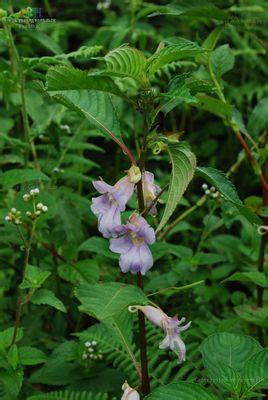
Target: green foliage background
point(97, 68)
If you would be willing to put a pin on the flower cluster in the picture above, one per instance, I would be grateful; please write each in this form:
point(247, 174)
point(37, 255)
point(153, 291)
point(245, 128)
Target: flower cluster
point(210, 191)
point(91, 352)
point(132, 239)
point(14, 216)
point(31, 195)
point(171, 327)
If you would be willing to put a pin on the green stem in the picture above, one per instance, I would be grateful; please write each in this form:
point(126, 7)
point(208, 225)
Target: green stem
point(20, 294)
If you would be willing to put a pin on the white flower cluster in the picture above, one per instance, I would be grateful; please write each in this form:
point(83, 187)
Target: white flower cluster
point(14, 216)
point(91, 351)
point(40, 208)
point(210, 191)
point(29, 196)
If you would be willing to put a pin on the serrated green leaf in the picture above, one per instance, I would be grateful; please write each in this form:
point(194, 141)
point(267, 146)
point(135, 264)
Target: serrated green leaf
point(7, 335)
point(126, 61)
point(70, 395)
point(214, 106)
point(96, 107)
point(173, 52)
point(256, 371)
point(183, 167)
point(31, 356)
point(12, 356)
point(227, 190)
point(16, 176)
point(47, 297)
point(34, 278)
point(65, 78)
point(105, 300)
point(181, 391)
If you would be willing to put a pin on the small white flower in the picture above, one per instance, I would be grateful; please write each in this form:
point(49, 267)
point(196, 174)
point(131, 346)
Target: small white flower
point(129, 393)
point(38, 212)
point(88, 344)
point(39, 206)
point(212, 189)
point(36, 191)
point(204, 186)
point(84, 356)
point(207, 192)
point(215, 195)
point(7, 218)
point(28, 213)
point(13, 210)
point(44, 208)
point(94, 343)
point(26, 197)
point(90, 349)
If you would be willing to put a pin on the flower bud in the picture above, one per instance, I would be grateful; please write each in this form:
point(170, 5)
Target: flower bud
point(134, 174)
point(129, 393)
point(204, 186)
point(44, 208)
point(39, 206)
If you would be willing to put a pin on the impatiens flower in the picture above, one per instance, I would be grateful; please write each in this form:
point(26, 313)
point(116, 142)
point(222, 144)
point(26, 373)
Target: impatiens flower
point(150, 191)
point(112, 201)
point(171, 327)
point(133, 243)
point(129, 393)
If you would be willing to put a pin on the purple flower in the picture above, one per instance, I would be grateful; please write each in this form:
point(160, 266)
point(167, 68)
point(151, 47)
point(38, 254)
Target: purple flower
point(150, 191)
point(112, 201)
point(171, 327)
point(133, 243)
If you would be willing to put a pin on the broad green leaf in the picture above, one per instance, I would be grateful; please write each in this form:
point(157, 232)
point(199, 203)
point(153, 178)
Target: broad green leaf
point(255, 277)
point(96, 107)
point(183, 168)
point(181, 391)
point(81, 271)
point(16, 176)
point(222, 60)
point(126, 61)
point(31, 356)
point(256, 371)
point(104, 300)
point(226, 349)
point(172, 52)
point(227, 190)
point(258, 120)
point(64, 78)
point(97, 245)
point(214, 106)
point(190, 8)
point(34, 278)
point(45, 296)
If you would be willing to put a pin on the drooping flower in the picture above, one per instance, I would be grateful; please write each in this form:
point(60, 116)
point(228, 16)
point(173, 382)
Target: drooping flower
point(150, 190)
point(112, 201)
point(129, 393)
point(133, 243)
point(171, 327)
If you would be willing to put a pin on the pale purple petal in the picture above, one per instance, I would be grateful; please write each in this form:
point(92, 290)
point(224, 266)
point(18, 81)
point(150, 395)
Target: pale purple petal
point(121, 245)
point(100, 205)
point(165, 343)
point(146, 259)
point(183, 328)
point(102, 187)
point(154, 314)
point(178, 346)
point(130, 261)
point(122, 192)
point(108, 221)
